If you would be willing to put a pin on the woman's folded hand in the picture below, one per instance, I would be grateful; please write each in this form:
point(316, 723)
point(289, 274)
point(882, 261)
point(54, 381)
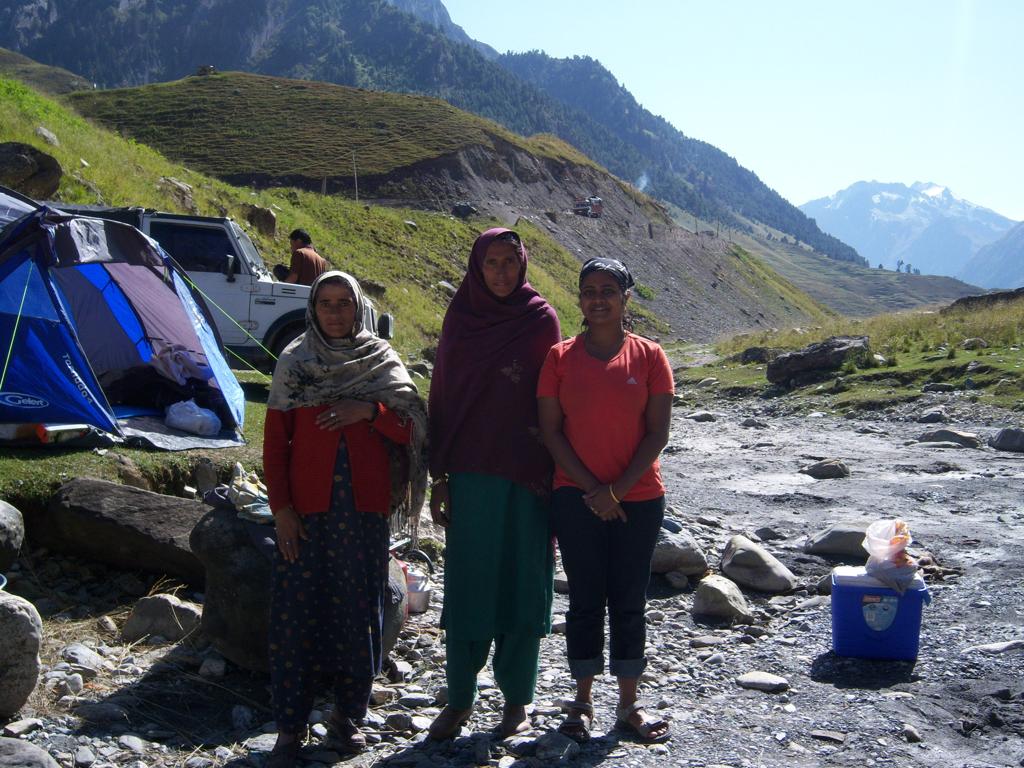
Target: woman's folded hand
point(345, 412)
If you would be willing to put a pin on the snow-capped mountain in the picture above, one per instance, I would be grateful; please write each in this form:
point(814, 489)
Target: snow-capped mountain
point(924, 225)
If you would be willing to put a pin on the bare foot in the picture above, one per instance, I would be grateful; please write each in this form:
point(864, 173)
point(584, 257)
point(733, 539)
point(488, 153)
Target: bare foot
point(447, 724)
point(513, 721)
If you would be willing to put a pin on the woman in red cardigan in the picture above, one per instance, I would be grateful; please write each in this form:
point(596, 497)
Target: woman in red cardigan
point(342, 451)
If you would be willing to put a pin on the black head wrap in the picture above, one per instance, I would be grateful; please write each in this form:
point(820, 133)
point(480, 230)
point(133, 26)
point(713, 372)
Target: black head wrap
point(613, 267)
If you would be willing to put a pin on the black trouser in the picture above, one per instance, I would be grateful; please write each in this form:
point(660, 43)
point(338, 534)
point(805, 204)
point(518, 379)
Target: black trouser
point(607, 564)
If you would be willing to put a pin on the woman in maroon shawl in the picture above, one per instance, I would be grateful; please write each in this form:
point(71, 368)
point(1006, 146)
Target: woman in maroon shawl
point(491, 480)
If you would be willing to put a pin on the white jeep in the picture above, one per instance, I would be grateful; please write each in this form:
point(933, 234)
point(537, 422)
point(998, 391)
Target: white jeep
point(256, 315)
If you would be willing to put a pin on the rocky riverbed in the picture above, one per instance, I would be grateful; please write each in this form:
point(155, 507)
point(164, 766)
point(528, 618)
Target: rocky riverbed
point(961, 704)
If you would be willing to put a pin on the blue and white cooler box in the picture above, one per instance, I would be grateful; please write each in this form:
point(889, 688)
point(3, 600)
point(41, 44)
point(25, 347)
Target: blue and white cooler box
point(873, 621)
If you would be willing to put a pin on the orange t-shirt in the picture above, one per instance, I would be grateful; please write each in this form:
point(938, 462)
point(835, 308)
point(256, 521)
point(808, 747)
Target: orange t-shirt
point(603, 406)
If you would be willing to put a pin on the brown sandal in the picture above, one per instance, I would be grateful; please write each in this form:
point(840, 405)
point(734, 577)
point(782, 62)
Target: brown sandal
point(646, 728)
point(344, 735)
point(578, 720)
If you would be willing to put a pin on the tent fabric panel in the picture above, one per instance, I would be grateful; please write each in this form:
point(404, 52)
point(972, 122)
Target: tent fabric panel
point(107, 343)
point(225, 379)
point(48, 379)
point(79, 240)
point(159, 311)
point(120, 307)
point(12, 208)
point(14, 274)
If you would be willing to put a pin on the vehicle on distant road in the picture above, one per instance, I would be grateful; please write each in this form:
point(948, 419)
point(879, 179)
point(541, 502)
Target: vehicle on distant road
point(588, 206)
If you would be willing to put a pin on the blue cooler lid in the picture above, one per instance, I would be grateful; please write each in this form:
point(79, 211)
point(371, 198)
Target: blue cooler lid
point(857, 576)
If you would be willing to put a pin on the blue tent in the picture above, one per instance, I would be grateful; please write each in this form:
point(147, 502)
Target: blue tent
point(97, 323)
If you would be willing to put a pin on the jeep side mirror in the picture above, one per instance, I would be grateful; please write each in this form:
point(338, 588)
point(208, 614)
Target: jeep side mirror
point(386, 326)
point(229, 268)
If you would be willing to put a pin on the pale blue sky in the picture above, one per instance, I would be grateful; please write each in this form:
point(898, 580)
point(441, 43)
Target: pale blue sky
point(811, 96)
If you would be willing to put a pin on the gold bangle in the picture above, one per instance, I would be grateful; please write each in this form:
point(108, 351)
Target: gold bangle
point(612, 494)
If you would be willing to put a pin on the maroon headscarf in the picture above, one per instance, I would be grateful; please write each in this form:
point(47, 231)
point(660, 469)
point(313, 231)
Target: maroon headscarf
point(483, 398)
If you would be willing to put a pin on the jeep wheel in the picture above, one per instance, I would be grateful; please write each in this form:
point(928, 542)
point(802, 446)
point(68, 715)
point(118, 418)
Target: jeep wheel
point(286, 337)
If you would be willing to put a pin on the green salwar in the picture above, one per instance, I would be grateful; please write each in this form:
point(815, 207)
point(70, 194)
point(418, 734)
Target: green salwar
point(498, 586)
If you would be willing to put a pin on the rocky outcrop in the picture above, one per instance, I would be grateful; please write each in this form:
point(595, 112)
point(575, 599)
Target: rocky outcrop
point(29, 171)
point(12, 535)
point(827, 469)
point(819, 358)
point(263, 219)
point(122, 526)
point(237, 558)
point(22, 631)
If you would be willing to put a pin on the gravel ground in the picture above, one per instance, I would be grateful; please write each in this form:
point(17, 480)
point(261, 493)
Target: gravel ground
point(954, 707)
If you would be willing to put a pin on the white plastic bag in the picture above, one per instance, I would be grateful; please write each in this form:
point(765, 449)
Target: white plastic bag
point(189, 417)
point(886, 542)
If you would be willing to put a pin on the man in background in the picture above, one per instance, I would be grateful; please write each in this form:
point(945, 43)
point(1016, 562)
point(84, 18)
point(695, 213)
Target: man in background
point(307, 265)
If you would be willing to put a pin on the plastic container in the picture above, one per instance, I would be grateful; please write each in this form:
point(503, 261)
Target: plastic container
point(872, 621)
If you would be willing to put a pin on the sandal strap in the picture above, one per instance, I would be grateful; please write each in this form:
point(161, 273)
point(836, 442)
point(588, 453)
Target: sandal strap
point(623, 713)
point(585, 707)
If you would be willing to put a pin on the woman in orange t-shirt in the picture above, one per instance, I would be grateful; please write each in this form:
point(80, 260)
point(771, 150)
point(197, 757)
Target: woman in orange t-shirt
point(605, 400)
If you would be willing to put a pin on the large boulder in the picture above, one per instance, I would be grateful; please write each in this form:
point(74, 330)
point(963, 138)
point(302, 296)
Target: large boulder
point(827, 469)
point(828, 355)
point(844, 539)
point(12, 535)
point(678, 552)
point(1008, 439)
point(29, 171)
point(15, 753)
point(966, 439)
point(22, 631)
point(753, 566)
point(237, 557)
point(718, 598)
point(122, 526)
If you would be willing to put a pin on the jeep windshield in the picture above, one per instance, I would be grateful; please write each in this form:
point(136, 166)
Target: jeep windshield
point(249, 249)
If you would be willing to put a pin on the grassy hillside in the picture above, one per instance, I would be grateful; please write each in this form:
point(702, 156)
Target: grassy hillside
point(917, 347)
point(855, 290)
point(234, 124)
point(369, 241)
point(41, 77)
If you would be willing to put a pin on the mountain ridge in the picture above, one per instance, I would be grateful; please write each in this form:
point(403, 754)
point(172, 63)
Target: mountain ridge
point(370, 43)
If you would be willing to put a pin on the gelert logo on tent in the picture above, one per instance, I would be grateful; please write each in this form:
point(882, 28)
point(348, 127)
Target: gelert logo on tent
point(18, 400)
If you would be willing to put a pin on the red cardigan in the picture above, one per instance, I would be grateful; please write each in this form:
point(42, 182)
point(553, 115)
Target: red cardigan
point(298, 459)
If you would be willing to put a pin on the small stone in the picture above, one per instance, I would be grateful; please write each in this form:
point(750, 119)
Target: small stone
point(106, 624)
point(101, 712)
point(132, 743)
point(834, 736)
point(992, 649)
point(678, 580)
point(48, 136)
point(381, 695)
point(752, 423)
point(561, 583)
point(20, 728)
point(938, 386)
point(911, 734)
point(710, 381)
point(416, 700)
point(701, 416)
point(966, 439)
point(553, 746)
point(828, 469)
point(84, 757)
point(74, 684)
point(763, 681)
point(706, 641)
point(213, 668)
point(399, 721)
